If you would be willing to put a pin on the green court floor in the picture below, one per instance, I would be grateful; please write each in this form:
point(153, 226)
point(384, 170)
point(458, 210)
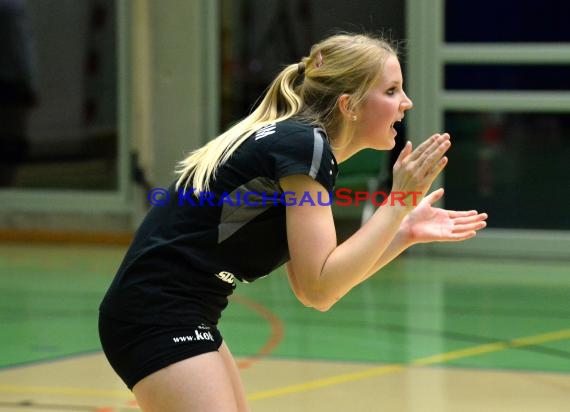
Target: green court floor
point(457, 312)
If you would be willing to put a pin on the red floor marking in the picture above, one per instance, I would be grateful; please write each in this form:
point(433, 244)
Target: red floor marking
point(276, 334)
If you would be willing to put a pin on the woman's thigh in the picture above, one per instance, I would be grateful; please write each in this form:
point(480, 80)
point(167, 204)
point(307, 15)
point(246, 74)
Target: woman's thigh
point(198, 384)
point(235, 378)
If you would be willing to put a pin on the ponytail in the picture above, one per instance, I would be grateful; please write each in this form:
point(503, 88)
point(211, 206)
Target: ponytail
point(280, 102)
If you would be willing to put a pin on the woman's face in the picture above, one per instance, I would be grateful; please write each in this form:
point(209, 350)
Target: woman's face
point(385, 105)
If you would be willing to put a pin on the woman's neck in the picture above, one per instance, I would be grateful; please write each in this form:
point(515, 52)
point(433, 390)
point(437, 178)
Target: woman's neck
point(344, 145)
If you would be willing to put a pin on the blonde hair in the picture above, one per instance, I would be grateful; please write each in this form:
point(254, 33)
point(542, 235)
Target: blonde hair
point(343, 63)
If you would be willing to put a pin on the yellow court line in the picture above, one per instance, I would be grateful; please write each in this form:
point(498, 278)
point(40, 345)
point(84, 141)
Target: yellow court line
point(429, 360)
point(535, 340)
point(76, 392)
point(319, 383)
point(460, 354)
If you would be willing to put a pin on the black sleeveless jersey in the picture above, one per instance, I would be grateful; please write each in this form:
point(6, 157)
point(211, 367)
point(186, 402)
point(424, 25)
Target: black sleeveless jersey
point(187, 254)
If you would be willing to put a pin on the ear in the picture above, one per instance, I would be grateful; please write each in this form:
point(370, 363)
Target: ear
point(345, 106)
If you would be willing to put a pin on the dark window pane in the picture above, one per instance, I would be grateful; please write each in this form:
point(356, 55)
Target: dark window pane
point(513, 166)
point(507, 77)
point(507, 21)
point(58, 94)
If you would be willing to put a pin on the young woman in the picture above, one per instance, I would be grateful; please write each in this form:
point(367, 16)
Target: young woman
point(234, 213)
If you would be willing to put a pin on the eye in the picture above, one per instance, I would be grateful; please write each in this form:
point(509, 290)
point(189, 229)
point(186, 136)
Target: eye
point(391, 91)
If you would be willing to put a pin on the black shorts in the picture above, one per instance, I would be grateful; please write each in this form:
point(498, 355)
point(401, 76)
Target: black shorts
point(137, 350)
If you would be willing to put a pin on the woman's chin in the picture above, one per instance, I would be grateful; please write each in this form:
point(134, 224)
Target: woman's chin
point(386, 145)
point(383, 143)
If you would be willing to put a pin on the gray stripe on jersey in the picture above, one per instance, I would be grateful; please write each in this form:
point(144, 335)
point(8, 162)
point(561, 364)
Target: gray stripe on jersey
point(236, 216)
point(317, 153)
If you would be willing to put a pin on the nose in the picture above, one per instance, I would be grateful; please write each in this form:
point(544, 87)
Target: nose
point(407, 103)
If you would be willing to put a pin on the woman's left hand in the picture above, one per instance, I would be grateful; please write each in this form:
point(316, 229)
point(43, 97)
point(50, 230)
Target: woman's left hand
point(426, 223)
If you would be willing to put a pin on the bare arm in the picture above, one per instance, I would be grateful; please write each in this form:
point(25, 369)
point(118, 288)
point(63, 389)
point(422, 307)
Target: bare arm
point(324, 271)
point(294, 283)
point(424, 224)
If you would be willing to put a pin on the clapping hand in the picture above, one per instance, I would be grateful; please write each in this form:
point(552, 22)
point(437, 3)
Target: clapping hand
point(427, 223)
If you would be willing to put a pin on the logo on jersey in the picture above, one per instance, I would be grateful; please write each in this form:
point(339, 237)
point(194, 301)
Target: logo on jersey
point(226, 277)
point(198, 336)
point(265, 131)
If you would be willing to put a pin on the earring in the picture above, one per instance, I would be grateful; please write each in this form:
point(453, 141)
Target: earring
point(353, 118)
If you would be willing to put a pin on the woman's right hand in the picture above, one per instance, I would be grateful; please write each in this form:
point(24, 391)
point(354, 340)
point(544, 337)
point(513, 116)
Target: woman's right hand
point(415, 171)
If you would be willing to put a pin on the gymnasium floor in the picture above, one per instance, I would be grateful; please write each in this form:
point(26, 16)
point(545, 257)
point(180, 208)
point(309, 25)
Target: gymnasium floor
point(427, 334)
